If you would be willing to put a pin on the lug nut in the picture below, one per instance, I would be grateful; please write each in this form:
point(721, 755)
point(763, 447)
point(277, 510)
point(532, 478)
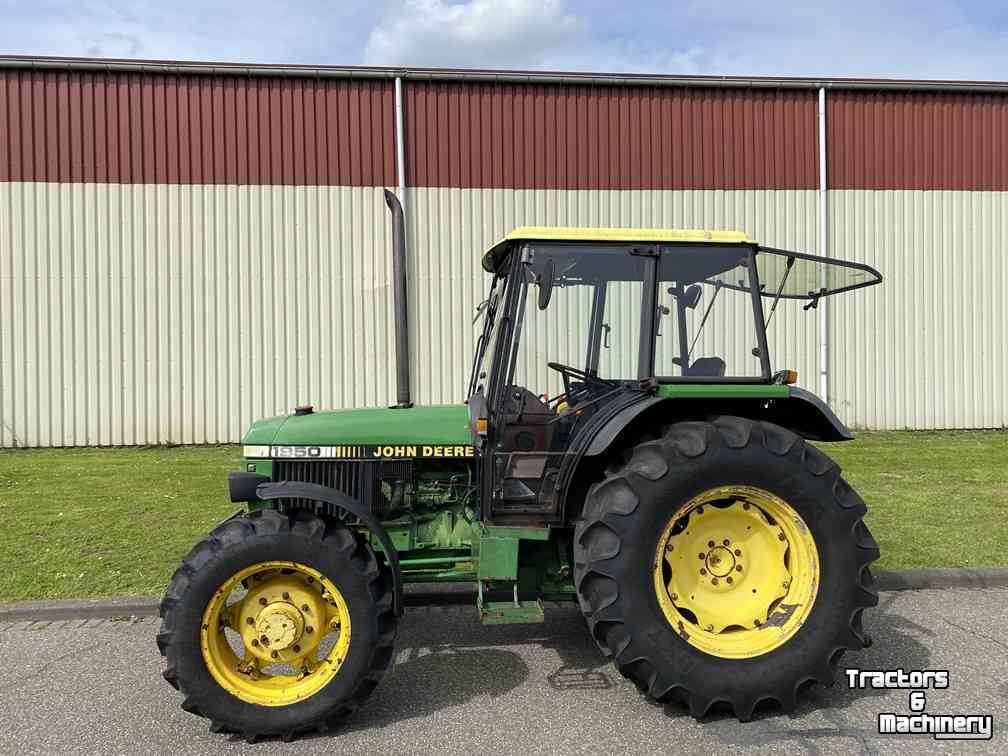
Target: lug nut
point(745, 505)
point(286, 595)
point(738, 568)
point(729, 578)
point(309, 629)
point(757, 622)
point(710, 544)
point(780, 536)
point(249, 621)
point(262, 601)
point(255, 642)
point(713, 581)
point(710, 628)
point(738, 552)
point(726, 542)
point(703, 571)
point(675, 596)
point(304, 607)
point(311, 579)
point(275, 655)
point(297, 649)
point(702, 556)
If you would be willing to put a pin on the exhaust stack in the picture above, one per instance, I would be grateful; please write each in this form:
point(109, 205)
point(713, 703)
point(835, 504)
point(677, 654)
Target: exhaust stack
point(399, 297)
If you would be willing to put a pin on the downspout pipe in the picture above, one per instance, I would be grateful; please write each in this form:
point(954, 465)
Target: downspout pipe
point(399, 300)
point(824, 251)
point(400, 141)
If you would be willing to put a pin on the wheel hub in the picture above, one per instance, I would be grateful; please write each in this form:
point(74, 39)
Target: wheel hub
point(720, 562)
point(279, 625)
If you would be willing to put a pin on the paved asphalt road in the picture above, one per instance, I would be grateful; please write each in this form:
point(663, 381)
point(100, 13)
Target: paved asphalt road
point(95, 687)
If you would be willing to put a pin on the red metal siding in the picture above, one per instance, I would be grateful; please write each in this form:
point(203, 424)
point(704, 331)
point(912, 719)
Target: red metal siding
point(142, 128)
point(536, 136)
point(917, 140)
point(72, 126)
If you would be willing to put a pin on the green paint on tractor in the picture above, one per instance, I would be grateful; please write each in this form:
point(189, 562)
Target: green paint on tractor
point(722, 391)
point(437, 424)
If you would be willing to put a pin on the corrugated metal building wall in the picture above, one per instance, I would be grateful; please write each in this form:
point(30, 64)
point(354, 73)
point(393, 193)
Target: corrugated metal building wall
point(182, 252)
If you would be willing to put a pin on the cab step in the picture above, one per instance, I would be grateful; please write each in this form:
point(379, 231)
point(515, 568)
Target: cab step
point(510, 612)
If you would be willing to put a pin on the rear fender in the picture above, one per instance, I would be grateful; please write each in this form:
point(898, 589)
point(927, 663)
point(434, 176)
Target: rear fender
point(800, 411)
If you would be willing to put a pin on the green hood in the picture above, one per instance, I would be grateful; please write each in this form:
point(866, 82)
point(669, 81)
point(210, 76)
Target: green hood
point(440, 424)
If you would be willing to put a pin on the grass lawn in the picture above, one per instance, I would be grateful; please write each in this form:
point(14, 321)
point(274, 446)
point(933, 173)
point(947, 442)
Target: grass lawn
point(94, 522)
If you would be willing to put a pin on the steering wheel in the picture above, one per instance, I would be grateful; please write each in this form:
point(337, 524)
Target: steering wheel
point(568, 372)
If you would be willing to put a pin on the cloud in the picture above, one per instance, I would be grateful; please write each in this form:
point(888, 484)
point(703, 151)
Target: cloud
point(112, 45)
point(860, 38)
point(899, 38)
point(300, 31)
point(475, 34)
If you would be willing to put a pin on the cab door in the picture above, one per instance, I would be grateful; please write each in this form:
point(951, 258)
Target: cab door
point(561, 364)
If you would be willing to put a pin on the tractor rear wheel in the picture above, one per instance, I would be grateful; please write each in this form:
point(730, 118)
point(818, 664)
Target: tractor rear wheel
point(277, 625)
point(726, 562)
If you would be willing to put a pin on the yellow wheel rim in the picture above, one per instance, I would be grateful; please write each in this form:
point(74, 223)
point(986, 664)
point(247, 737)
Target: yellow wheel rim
point(279, 614)
point(736, 572)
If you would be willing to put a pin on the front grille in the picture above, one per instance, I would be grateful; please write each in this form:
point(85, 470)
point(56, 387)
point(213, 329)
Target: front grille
point(361, 481)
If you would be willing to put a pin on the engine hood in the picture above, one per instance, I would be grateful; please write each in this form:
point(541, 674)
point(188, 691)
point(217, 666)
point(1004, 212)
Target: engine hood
point(438, 424)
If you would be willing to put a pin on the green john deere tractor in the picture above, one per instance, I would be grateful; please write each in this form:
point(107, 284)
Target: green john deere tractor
point(625, 443)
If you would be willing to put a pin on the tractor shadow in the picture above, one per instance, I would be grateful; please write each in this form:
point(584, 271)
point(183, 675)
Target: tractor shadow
point(432, 673)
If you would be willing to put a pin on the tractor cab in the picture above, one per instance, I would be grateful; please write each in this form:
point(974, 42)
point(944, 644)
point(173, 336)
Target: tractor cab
point(580, 324)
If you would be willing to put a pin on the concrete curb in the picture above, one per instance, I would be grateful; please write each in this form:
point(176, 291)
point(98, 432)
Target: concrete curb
point(147, 606)
point(102, 608)
point(916, 580)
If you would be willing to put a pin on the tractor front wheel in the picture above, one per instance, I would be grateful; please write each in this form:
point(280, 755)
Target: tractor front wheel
point(725, 562)
point(277, 625)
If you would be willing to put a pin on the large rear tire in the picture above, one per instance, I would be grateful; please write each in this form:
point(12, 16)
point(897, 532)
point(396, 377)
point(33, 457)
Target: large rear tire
point(277, 625)
point(726, 562)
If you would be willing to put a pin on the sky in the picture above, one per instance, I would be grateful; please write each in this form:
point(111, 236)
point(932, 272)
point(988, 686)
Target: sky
point(861, 38)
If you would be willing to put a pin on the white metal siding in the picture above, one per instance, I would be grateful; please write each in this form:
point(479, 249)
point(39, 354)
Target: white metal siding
point(136, 314)
point(142, 314)
point(926, 349)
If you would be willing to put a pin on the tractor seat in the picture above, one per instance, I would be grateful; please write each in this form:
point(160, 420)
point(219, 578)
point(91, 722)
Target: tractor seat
point(713, 367)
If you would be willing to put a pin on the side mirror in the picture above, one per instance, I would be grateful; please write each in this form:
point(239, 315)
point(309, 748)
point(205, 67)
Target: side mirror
point(691, 297)
point(546, 284)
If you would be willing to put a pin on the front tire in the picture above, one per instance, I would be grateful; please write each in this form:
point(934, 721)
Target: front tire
point(725, 562)
point(277, 625)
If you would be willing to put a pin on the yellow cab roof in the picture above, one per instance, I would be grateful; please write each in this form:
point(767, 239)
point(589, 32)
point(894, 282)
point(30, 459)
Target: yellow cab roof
point(647, 235)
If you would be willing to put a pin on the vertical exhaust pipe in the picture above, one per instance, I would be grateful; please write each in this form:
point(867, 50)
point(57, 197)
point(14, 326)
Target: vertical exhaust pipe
point(399, 297)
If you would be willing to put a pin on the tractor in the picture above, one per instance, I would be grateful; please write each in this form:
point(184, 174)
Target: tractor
point(625, 443)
